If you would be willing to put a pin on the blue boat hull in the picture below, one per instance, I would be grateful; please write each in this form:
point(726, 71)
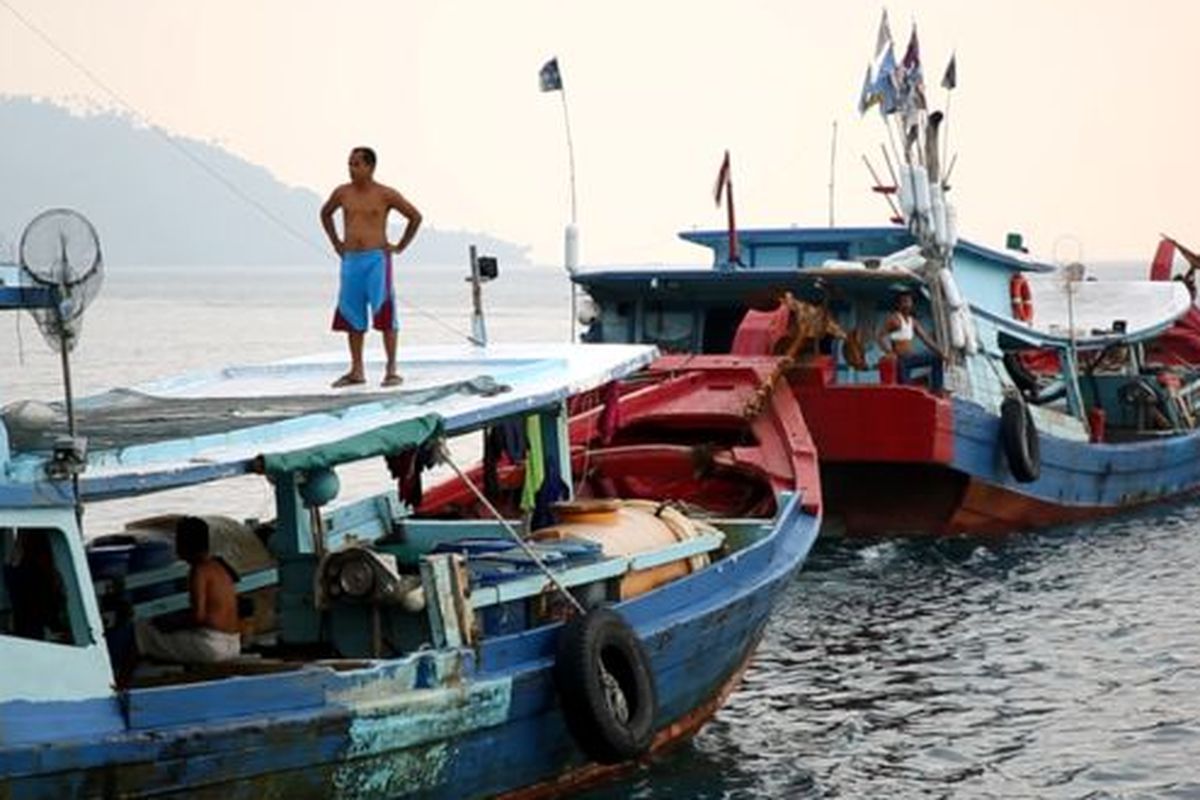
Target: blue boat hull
point(973, 491)
point(470, 725)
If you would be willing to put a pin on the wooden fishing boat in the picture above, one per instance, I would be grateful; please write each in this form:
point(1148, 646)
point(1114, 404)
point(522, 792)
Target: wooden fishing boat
point(1014, 394)
point(1044, 420)
point(386, 652)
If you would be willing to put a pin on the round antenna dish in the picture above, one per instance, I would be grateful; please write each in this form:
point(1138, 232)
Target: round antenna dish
point(60, 250)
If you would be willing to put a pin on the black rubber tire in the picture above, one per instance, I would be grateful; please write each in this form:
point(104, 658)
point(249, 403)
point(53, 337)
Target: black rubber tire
point(590, 647)
point(1019, 436)
point(1023, 378)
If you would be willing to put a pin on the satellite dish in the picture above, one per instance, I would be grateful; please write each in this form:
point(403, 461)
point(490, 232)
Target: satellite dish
point(61, 251)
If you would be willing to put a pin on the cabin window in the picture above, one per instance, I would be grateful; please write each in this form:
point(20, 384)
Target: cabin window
point(776, 256)
point(672, 329)
point(616, 322)
point(815, 258)
point(37, 596)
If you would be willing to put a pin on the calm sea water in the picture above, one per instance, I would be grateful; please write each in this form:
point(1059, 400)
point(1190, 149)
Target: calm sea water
point(1058, 664)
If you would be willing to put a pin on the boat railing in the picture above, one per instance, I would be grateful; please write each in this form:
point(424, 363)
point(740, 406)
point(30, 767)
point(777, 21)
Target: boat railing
point(170, 576)
point(610, 567)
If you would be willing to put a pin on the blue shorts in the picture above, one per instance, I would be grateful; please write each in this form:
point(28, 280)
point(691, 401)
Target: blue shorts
point(366, 294)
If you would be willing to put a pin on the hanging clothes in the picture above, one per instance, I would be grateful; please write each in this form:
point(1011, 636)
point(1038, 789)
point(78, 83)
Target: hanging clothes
point(493, 448)
point(535, 463)
point(554, 489)
point(406, 468)
point(610, 417)
point(513, 436)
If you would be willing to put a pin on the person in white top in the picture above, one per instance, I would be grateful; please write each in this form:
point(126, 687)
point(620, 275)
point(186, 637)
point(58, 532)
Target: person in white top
point(896, 338)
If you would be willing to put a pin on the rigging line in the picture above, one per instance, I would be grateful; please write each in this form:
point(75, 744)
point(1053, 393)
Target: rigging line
point(200, 164)
point(171, 141)
point(444, 455)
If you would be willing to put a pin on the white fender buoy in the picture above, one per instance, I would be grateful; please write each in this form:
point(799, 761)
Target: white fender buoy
point(972, 343)
point(906, 193)
point(941, 232)
point(958, 332)
point(950, 289)
point(921, 195)
point(951, 225)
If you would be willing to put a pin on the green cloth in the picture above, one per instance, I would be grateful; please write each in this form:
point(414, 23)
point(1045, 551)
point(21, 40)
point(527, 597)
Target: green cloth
point(535, 463)
point(382, 441)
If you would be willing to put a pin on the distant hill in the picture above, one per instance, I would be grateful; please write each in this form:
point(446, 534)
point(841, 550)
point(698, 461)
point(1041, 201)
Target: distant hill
point(153, 206)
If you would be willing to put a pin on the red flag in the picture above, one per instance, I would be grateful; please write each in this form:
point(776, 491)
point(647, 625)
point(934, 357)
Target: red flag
point(722, 179)
point(725, 187)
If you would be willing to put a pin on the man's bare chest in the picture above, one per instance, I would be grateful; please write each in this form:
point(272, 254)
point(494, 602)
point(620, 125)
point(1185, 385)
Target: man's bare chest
point(364, 203)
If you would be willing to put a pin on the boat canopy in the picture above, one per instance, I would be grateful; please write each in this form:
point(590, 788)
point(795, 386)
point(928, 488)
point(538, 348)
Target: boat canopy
point(284, 416)
point(1091, 309)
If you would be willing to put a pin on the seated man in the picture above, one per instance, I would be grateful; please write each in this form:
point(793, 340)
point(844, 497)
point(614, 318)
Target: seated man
point(897, 338)
point(208, 631)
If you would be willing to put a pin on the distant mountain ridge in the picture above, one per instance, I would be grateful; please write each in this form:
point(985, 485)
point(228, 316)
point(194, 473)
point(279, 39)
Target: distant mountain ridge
point(153, 206)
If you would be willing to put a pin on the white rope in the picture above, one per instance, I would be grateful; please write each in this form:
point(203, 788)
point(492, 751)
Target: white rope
point(444, 455)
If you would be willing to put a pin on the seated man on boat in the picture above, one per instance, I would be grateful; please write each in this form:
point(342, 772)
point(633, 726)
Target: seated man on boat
point(896, 338)
point(208, 631)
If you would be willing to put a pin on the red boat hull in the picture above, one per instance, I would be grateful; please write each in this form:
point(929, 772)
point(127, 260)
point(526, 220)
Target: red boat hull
point(719, 433)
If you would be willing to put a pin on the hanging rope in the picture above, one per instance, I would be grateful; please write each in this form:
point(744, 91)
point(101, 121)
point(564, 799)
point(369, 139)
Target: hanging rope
point(444, 455)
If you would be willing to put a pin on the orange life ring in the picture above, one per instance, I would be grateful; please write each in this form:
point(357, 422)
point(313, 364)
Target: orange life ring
point(1022, 298)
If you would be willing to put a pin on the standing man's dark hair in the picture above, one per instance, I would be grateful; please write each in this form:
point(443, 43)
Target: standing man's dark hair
point(366, 296)
point(368, 155)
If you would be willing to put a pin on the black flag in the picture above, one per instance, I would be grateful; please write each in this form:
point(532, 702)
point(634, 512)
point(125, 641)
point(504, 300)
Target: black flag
point(950, 79)
point(549, 77)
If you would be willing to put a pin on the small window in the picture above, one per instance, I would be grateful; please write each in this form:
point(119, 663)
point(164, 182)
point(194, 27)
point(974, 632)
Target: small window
point(39, 598)
point(776, 256)
point(616, 322)
point(815, 258)
point(672, 329)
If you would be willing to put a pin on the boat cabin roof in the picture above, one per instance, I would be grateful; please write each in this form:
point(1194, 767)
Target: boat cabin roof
point(209, 425)
point(805, 247)
point(715, 285)
point(18, 290)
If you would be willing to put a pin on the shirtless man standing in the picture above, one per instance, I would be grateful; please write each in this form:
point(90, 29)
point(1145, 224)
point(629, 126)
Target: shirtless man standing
point(366, 278)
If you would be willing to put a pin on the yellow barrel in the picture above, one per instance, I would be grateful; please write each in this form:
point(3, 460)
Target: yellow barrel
point(627, 528)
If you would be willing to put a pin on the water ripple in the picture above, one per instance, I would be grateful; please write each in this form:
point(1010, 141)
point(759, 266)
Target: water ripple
point(1054, 665)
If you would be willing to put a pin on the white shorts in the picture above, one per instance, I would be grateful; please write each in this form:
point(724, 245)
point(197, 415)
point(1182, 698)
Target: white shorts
point(193, 646)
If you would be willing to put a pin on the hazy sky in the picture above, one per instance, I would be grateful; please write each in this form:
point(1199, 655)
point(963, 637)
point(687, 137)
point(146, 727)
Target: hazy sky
point(1074, 120)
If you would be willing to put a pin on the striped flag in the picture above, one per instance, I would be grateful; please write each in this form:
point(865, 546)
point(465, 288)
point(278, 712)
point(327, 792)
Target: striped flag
point(883, 72)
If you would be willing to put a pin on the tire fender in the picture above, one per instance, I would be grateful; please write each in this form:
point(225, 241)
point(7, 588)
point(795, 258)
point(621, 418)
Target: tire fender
point(1019, 436)
point(605, 687)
